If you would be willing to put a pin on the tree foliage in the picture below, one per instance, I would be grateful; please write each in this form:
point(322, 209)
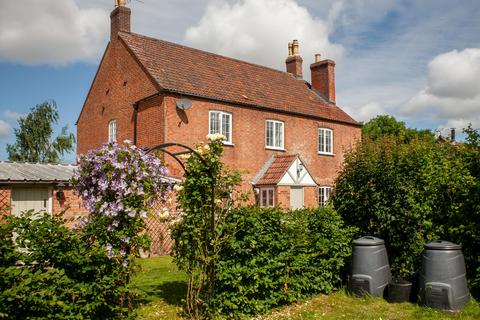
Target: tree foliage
point(34, 141)
point(383, 125)
point(410, 193)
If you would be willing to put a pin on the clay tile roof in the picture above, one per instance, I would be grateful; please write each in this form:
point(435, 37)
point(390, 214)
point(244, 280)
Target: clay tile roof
point(179, 69)
point(276, 169)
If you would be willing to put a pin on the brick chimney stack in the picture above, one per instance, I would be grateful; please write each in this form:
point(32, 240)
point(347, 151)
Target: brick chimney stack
point(323, 77)
point(120, 19)
point(294, 60)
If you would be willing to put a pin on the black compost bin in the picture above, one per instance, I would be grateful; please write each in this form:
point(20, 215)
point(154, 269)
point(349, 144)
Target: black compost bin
point(443, 282)
point(370, 268)
point(399, 290)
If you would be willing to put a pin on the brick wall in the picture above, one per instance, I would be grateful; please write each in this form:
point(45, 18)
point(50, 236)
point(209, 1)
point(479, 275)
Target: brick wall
point(70, 203)
point(248, 151)
point(119, 83)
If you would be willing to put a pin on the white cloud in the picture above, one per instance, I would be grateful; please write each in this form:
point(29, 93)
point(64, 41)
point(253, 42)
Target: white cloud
point(455, 74)
point(452, 93)
point(51, 32)
point(366, 112)
point(12, 115)
point(5, 130)
point(259, 31)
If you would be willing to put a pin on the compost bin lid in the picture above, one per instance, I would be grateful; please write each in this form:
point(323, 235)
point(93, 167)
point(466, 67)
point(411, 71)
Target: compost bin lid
point(368, 241)
point(442, 245)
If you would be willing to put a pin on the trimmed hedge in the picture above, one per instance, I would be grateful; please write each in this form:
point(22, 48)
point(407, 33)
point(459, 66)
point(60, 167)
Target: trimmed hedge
point(272, 257)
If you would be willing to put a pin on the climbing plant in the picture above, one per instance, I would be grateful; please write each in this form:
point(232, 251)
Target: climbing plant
point(205, 198)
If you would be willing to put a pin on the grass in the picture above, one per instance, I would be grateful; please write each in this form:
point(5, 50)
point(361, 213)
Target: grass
point(164, 288)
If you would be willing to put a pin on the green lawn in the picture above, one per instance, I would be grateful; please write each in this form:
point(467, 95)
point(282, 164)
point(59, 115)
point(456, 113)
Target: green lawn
point(164, 287)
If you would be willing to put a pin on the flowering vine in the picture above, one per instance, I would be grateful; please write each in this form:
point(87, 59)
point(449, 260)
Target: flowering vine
point(117, 184)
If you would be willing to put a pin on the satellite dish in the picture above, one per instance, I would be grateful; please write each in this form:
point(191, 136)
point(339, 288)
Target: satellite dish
point(183, 104)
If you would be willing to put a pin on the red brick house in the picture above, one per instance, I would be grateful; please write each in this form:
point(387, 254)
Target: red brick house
point(287, 133)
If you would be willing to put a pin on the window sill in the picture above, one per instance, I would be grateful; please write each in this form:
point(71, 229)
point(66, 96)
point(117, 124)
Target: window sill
point(275, 149)
point(326, 154)
point(228, 144)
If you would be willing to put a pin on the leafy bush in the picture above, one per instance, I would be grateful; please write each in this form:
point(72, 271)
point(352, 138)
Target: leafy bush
point(410, 193)
point(272, 257)
point(51, 271)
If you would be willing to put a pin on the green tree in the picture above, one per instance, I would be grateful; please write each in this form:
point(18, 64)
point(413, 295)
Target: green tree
point(34, 141)
point(409, 194)
point(387, 125)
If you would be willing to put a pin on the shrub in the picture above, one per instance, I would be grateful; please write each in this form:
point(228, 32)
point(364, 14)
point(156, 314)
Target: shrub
point(51, 271)
point(410, 193)
point(272, 257)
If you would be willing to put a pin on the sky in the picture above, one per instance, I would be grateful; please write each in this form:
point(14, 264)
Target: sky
point(416, 60)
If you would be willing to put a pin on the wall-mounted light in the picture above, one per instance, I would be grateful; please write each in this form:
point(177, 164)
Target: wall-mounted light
point(299, 169)
point(60, 195)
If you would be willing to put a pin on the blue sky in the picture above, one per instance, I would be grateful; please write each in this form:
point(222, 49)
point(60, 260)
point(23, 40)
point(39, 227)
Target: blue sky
point(416, 60)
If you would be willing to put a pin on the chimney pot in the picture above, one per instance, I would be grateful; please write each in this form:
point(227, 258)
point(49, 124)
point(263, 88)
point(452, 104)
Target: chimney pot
point(295, 46)
point(318, 57)
point(120, 3)
point(294, 60)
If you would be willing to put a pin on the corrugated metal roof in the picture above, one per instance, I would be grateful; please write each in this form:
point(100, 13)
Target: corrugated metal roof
point(26, 172)
point(35, 172)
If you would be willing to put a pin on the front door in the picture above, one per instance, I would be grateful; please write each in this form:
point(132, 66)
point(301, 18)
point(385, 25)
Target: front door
point(296, 197)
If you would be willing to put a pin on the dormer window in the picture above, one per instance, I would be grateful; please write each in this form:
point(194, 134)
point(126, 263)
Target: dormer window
point(274, 134)
point(221, 122)
point(112, 131)
point(325, 141)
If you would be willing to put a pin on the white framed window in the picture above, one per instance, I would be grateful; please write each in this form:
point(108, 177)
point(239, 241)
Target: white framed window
point(221, 122)
point(112, 131)
point(274, 134)
point(325, 141)
point(267, 197)
point(323, 195)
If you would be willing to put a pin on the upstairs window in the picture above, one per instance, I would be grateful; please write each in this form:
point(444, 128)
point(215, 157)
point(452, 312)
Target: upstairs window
point(221, 122)
point(274, 134)
point(112, 131)
point(324, 195)
point(325, 141)
point(267, 197)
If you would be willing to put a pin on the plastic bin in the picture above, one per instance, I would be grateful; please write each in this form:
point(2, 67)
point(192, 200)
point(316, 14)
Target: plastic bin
point(370, 268)
point(443, 282)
